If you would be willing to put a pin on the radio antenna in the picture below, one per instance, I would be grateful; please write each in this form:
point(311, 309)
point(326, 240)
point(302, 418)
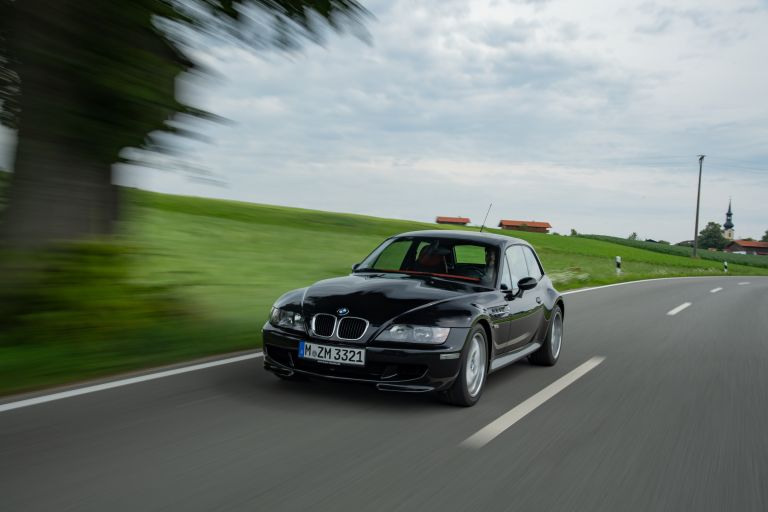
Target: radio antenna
point(486, 217)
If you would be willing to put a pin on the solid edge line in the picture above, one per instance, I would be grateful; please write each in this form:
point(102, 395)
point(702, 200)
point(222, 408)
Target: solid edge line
point(579, 290)
point(673, 312)
point(488, 433)
point(123, 382)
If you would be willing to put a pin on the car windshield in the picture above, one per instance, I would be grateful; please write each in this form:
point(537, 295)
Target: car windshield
point(442, 257)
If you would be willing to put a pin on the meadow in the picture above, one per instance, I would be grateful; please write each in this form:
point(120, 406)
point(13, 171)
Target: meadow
point(215, 267)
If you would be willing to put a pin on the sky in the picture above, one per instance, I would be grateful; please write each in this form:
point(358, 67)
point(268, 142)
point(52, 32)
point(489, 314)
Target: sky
point(589, 115)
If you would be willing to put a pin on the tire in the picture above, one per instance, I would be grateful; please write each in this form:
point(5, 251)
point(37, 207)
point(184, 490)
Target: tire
point(468, 386)
point(549, 352)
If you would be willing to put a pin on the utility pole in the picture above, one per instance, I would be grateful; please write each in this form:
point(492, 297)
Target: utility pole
point(698, 199)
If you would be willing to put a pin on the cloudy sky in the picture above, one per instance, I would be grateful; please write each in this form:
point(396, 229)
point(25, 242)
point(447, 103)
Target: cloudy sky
point(585, 114)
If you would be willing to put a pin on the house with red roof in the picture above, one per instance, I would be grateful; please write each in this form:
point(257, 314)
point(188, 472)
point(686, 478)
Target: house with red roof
point(526, 225)
point(747, 247)
point(456, 221)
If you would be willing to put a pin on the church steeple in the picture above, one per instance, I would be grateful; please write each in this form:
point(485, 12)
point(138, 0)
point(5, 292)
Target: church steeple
point(728, 226)
point(728, 217)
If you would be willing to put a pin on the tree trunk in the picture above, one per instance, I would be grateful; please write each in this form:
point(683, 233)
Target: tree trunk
point(60, 189)
point(56, 196)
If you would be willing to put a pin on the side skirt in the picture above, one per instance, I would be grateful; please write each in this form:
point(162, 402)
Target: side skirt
point(507, 359)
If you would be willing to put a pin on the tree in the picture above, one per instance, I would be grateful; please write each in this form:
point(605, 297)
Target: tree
point(765, 236)
point(632, 236)
point(712, 237)
point(574, 232)
point(81, 81)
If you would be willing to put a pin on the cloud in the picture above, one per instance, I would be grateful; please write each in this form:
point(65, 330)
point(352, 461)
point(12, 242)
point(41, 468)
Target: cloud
point(458, 102)
point(587, 114)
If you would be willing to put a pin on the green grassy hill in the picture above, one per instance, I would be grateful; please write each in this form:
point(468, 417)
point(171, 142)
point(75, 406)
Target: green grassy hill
point(235, 258)
point(718, 256)
point(227, 262)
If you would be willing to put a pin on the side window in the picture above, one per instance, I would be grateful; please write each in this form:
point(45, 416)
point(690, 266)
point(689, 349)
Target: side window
point(517, 266)
point(534, 270)
point(473, 254)
point(506, 278)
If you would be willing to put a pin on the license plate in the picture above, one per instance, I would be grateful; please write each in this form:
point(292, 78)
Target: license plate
point(333, 355)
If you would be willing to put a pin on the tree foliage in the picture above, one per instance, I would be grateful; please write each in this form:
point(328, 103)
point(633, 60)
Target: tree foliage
point(632, 236)
point(711, 237)
point(765, 236)
point(122, 57)
point(82, 80)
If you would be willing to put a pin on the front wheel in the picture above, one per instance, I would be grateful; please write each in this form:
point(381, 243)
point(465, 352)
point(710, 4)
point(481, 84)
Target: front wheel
point(549, 352)
point(469, 385)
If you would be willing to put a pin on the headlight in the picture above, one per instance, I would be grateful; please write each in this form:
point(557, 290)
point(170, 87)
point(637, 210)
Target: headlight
point(415, 334)
point(288, 319)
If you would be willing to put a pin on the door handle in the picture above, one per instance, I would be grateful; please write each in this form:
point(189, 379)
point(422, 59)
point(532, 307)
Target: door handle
point(538, 300)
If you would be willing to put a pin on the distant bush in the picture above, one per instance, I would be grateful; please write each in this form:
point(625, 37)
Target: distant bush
point(75, 293)
point(741, 259)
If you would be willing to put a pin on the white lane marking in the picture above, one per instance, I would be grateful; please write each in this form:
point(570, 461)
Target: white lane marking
point(715, 290)
point(745, 282)
point(673, 312)
point(123, 382)
point(489, 432)
point(569, 292)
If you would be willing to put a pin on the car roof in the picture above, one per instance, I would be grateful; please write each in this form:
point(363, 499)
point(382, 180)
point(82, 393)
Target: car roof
point(472, 236)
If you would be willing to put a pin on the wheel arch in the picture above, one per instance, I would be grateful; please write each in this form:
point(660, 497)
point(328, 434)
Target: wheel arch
point(486, 325)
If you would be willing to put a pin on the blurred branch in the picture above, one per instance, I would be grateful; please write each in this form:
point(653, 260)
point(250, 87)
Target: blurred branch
point(81, 81)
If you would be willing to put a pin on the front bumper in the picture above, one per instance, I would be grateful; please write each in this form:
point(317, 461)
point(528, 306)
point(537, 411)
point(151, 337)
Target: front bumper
point(388, 366)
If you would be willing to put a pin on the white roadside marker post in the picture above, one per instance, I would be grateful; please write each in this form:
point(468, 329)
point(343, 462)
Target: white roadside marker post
point(725, 267)
point(618, 265)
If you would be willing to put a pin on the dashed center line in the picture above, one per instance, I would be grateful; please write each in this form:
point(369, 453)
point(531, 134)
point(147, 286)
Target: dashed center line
point(673, 312)
point(715, 290)
point(488, 433)
point(744, 283)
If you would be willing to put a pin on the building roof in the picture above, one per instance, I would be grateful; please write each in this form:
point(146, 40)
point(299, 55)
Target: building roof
point(528, 223)
point(453, 220)
point(749, 243)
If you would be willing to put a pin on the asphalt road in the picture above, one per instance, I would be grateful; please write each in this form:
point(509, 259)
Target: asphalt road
point(674, 418)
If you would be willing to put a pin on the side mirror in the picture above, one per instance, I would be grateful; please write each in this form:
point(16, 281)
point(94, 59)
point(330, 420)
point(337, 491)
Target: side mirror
point(355, 266)
point(527, 283)
point(509, 294)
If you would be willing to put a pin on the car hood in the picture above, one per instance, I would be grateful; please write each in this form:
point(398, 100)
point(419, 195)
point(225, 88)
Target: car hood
point(381, 297)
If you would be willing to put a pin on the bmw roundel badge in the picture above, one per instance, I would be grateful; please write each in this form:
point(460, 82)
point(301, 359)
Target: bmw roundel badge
point(342, 311)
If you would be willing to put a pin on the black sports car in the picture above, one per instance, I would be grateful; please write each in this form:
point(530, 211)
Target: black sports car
point(425, 311)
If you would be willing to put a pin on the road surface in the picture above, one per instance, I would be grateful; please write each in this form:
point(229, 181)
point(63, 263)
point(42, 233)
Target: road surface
point(671, 413)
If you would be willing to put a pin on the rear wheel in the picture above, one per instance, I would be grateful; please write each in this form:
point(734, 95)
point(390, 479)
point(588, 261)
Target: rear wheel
point(469, 385)
point(549, 352)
